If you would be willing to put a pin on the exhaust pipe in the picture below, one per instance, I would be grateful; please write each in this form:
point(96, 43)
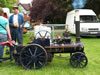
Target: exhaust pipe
point(77, 26)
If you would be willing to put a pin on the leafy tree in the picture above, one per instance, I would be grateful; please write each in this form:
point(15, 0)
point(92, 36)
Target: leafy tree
point(94, 5)
point(55, 10)
point(7, 3)
point(49, 10)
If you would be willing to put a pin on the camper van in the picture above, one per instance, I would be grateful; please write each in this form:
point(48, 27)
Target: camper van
point(89, 23)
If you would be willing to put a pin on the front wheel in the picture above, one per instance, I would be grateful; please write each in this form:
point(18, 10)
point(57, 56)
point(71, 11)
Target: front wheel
point(78, 60)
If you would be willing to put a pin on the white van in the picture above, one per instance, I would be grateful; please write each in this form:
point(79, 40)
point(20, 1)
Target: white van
point(89, 23)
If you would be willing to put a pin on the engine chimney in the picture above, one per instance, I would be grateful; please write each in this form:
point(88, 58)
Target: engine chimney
point(77, 25)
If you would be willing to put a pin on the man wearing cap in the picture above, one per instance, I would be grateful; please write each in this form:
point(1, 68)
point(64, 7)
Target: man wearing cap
point(16, 22)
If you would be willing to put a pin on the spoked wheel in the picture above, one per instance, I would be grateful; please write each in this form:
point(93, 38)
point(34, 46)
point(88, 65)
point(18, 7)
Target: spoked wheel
point(42, 33)
point(78, 60)
point(33, 56)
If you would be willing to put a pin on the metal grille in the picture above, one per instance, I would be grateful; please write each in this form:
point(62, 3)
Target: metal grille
point(93, 29)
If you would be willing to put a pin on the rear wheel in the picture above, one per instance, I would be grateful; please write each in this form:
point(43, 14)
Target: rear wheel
point(33, 56)
point(78, 60)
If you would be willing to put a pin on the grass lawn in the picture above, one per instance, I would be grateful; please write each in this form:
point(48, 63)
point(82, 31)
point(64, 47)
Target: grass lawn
point(60, 64)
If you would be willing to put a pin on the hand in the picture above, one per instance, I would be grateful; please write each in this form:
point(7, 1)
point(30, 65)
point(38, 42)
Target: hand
point(11, 43)
point(20, 26)
point(9, 39)
point(15, 25)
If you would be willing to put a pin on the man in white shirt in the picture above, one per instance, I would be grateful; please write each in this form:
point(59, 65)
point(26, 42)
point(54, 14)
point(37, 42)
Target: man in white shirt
point(16, 23)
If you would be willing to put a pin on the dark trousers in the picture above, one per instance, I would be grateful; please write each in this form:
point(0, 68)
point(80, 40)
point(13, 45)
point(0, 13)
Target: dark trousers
point(17, 35)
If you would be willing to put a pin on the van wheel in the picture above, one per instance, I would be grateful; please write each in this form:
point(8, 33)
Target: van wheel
point(98, 36)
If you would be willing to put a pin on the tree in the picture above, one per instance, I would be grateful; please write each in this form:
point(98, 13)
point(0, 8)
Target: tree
point(7, 3)
point(94, 5)
point(55, 10)
point(49, 10)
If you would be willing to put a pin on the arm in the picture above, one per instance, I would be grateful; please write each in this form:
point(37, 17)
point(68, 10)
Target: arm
point(8, 31)
point(22, 21)
point(11, 22)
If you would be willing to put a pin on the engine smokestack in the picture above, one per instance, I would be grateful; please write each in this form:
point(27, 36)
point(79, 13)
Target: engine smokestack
point(77, 25)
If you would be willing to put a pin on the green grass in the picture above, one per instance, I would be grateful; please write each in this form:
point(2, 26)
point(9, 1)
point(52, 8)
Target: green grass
point(60, 64)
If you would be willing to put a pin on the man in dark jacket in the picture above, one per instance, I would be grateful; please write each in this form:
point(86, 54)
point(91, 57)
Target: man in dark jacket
point(16, 22)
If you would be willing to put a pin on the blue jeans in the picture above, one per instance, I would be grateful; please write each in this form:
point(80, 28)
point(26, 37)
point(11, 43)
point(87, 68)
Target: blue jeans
point(17, 35)
point(3, 38)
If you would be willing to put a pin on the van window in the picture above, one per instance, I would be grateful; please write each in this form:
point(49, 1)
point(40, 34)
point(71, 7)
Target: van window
point(88, 18)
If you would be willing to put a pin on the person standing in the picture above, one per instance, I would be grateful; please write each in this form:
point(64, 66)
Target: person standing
point(4, 31)
point(16, 22)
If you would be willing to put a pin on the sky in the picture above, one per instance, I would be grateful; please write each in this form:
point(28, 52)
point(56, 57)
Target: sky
point(25, 1)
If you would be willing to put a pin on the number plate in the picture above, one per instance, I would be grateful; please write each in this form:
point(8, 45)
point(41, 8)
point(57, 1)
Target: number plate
point(93, 32)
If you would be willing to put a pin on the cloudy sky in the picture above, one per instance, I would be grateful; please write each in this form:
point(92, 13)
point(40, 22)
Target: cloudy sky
point(25, 1)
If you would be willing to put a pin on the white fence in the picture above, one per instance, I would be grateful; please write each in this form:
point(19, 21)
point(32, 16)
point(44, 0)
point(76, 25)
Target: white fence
point(56, 28)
